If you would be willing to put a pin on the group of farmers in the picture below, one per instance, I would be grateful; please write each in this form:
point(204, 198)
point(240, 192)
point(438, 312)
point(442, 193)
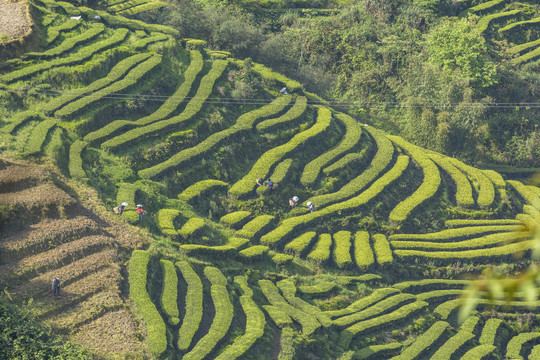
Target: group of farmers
point(293, 202)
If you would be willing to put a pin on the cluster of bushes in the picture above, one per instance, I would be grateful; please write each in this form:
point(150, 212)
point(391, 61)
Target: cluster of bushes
point(278, 316)
point(513, 349)
point(230, 248)
point(140, 44)
point(464, 194)
point(440, 295)
point(449, 235)
point(378, 351)
point(119, 6)
point(382, 250)
point(294, 113)
point(255, 226)
point(485, 188)
point(38, 136)
point(138, 269)
point(165, 221)
point(194, 305)
point(222, 319)
point(430, 284)
point(345, 161)
point(363, 254)
point(530, 194)
point(281, 170)
point(321, 252)
point(528, 56)
point(342, 248)
point(353, 132)
point(235, 219)
point(493, 331)
point(374, 297)
point(301, 242)
point(254, 251)
point(462, 340)
point(288, 289)
point(21, 118)
point(320, 288)
point(118, 36)
point(425, 341)
point(480, 352)
point(54, 31)
point(480, 222)
point(151, 5)
point(169, 292)
point(192, 108)
point(483, 23)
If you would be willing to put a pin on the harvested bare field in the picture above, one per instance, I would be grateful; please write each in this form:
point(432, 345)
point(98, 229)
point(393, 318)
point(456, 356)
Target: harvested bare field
point(43, 195)
point(14, 22)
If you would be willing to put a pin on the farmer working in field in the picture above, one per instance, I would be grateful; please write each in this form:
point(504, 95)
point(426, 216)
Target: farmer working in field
point(140, 210)
point(310, 206)
point(293, 202)
point(56, 287)
point(120, 209)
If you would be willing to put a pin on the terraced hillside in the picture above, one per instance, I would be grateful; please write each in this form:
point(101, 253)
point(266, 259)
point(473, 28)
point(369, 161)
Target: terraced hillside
point(233, 271)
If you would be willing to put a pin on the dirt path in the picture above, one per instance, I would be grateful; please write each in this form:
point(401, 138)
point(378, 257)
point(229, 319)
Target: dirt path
point(13, 21)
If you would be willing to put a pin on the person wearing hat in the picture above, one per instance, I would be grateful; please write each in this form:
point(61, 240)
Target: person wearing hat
point(293, 202)
point(56, 287)
point(122, 207)
point(310, 206)
point(140, 210)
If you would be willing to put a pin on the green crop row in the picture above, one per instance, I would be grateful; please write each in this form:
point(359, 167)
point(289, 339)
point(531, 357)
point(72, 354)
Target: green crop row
point(430, 284)
point(345, 280)
point(380, 307)
point(255, 322)
point(377, 351)
point(526, 46)
point(345, 161)
point(379, 322)
point(192, 108)
point(224, 312)
point(195, 44)
point(301, 242)
point(281, 170)
point(293, 113)
point(476, 254)
point(439, 295)
point(520, 23)
point(169, 291)
point(535, 352)
point(198, 188)
point(191, 227)
point(255, 226)
point(381, 160)
point(513, 349)
point(353, 132)
point(116, 73)
point(498, 180)
point(446, 309)
point(38, 136)
point(70, 43)
point(262, 167)
point(308, 322)
point(480, 222)
point(362, 249)
point(464, 195)
point(115, 21)
point(254, 251)
point(280, 259)
point(83, 53)
point(424, 341)
point(278, 315)
point(457, 233)
point(70, 9)
point(459, 341)
point(164, 220)
point(480, 352)
point(382, 250)
point(342, 248)
point(138, 268)
point(267, 73)
point(526, 57)
point(126, 193)
point(144, 42)
point(54, 31)
point(376, 188)
point(428, 188)
point(75, 165)
point(21, 118)
point(483, 23)
point(490, 330)
point(164, 110)
point(194, 305)
point(321, 252)
point(485, 189)
point(130, 79)
point(317, 289)
point(288, 290)
point(230, 247)
point(528, 193)
point(359, 305)
point(235, 218)
point(485, 6)
point(125, 5)
point(470, 324)
point(217, 54)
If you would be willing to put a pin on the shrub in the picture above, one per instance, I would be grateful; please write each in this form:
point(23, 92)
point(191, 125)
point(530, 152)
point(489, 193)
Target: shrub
point(123, 5)
point(289, 291)
point(321, 252)
point(280, 259)
point(116, 73)
point(191, 227)
point(301, 243)
point(198, 188)
point(308, 322)
point(509, 27)
point(480, 222)
point(377, 351)
point(528, 193)
point(462, 233)
point(342, 249)
point(262, 167)
point(164, 221)
point(439, 295)
point(464, 196)
point(345, 161)
point(378, 308)
point(489, 332)
point(195, 44)
point(235, 218)
point(194, 305)
point(21, 118)
point(75, 165)
point(353, 132)
point(345, 280)
point(151, 5)
point(130, 79)
point(374, 297)
point(380, 322)
point(486, 191)
point(224, 312)
point(318, 289)
point(54, 31)
point(470, 324)
point(459, 341)
point(157, 340)
point(254, 251)
point(425, 341)
point(376, 188)
point(255, 322)
point(479, 352)
point(525, 46)
point(430, 284)
point(230, 247)
point(362, 249)
point(169, 291)
point(84, 53)
point(294, 113)
point(485, 6)
point(381, 160)
point(38, 137)
point(281, 170)
point(526, 57)
point(192, 108)
point(278, 315)
point(428, 188)
point(267, 73)
point(255, 226)
point(515, 344)
point(382, 249)
point(141, 44)
point(483, 23)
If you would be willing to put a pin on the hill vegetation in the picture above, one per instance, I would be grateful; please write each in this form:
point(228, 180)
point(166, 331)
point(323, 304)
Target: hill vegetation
point(120, 109)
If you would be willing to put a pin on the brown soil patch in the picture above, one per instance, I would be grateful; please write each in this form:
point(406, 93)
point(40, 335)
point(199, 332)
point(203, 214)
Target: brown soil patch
point(13, 20)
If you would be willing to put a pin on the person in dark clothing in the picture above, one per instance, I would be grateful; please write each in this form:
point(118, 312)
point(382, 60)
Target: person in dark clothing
point(56, 287)
point(140, 210)
point(122, 207)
